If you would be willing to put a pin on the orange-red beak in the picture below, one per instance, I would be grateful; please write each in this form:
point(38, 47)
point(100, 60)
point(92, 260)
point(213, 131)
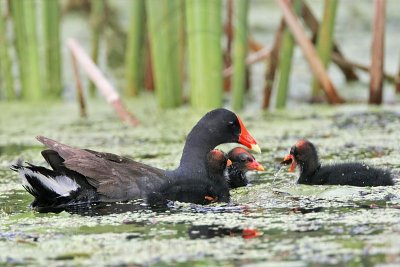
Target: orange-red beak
point(251, 233)
point(246, 139)
point(228, 163)
point(290, 159)
point(254, 165)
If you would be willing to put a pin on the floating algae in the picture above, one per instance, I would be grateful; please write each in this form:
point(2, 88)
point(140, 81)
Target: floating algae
point(301, 225)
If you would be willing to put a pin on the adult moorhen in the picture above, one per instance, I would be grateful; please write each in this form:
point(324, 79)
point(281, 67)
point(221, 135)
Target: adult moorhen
point(83, 175)
point(194, 190)
point(304, 154)
point(242, 161)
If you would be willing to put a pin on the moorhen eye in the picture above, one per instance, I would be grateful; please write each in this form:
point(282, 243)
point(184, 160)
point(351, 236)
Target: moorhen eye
point(234, 127)
point(242, 161)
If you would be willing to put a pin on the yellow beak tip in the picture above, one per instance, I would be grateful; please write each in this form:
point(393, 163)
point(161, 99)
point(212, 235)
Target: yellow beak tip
point(255, 148)
point(261, 168)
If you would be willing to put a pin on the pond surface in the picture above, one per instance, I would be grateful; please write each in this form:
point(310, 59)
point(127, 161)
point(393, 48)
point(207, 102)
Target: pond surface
point(294, 225)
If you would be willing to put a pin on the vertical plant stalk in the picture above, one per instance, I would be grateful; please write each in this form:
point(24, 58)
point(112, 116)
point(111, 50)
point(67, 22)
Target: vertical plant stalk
point(228, 30)
point(397, 81)
point(134, 72)
point(272, 65)
point(79, 88)
point(311, 55)
point(313, 24)
point(204, 29)
point(102, 84)
point(325, 41)
point(19, 37)
point(181, 22)
point(239, 52)
point(51, 32)
point(285, 62)
point(6, 77)
point(32, 60)
point(24, 19)
point(149, 77)
point(163, 28)
point(97, 18)
point(377, 57)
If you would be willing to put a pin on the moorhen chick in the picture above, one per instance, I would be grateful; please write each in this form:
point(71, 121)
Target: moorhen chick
point(304, 155)
point(242, 161)
point(194, 190)
point(83, 175)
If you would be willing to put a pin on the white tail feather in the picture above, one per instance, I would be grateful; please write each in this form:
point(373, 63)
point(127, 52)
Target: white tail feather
point(61, 184)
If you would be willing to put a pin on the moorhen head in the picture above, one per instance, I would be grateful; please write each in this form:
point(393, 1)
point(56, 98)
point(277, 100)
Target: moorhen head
point(216, 127)
point(242, 161)
point(195, 190)
point(83, 175)
point(304, 154)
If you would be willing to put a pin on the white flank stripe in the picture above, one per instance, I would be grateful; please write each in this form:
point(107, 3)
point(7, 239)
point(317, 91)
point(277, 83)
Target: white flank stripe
point(62, 184)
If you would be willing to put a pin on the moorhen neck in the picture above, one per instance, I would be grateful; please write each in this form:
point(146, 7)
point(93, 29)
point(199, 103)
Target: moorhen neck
point(215, 128)
point(242, 161)
point(304, 155)
point(195, 190)
point(82, 175)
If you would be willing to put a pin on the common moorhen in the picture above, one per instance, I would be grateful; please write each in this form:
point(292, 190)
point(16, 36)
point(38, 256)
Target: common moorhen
point(83, 175)
point(194, 190)
point(304, 154)
point(242, 161)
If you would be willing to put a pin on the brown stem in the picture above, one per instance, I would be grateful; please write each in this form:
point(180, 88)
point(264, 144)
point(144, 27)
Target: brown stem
point(251, 59)
point(102, 84)
point(254, 45)
point(377, 57)
point(397, 80)
point(336, 57)
point(313, 24)
point(78, 86)
point(309, 51)
point(272, 65)
point(123, 114)
point(229, 37)
point(149, 78)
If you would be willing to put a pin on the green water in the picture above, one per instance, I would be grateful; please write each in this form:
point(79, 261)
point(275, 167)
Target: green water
point(300, 225)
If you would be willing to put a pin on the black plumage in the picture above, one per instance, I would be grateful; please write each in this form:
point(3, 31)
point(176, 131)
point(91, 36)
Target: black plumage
point(194, 190)
point(304, 154)
point(80, 175)
point(242, 161)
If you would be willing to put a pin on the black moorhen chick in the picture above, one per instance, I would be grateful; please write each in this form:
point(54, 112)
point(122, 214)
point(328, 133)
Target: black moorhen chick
point(242, 161)
point(194, 190)
point(83, 175)
point(304, 154)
